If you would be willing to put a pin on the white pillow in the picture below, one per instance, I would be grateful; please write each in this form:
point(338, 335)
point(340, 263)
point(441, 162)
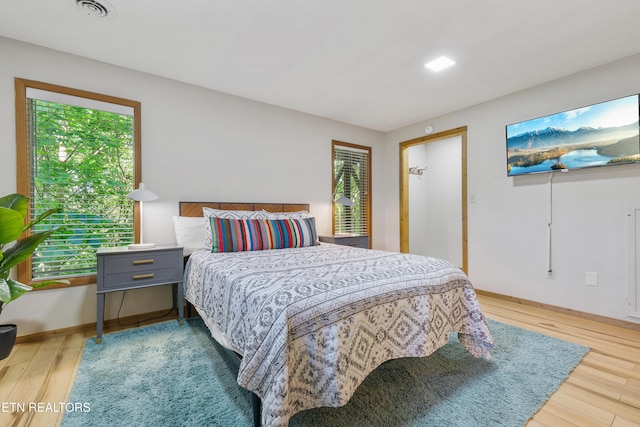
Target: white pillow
point(189, 232)
point(229, 214)
point(288, 215)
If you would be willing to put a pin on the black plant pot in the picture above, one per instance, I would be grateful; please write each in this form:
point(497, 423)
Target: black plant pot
point(7, 339)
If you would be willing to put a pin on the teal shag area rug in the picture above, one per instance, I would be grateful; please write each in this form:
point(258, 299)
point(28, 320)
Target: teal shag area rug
point(165, 374)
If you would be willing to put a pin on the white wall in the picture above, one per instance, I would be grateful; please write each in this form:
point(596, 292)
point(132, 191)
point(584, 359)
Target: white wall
point(197, 144)
point(435, 207)
point(200, 144)
point(508, 221)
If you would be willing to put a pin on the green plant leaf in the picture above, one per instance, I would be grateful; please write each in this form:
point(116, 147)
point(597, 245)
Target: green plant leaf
point(16, 202)
point(23, 249)
point(5, 292)
point(13, 211)
point(11, 225)
point(41, 217)
point(16, 290)
point(11, 289)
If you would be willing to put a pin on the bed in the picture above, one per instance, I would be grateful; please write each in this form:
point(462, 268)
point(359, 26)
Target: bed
point(308, 320)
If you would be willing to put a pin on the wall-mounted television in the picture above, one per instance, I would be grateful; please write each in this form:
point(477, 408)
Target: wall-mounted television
point(602, 134)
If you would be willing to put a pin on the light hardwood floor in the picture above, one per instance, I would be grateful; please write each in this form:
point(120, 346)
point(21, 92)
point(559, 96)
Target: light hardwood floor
point(604, 390)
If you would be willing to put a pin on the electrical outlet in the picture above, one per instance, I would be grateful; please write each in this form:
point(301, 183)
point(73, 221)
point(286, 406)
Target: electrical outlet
point(551, 274)
point(591, 278)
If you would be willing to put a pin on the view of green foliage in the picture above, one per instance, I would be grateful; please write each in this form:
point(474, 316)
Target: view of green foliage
point(82, 162)
point(350, 182)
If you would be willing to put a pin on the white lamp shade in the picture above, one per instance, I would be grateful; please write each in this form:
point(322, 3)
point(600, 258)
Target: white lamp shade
point(344, 200)
point(142, 194)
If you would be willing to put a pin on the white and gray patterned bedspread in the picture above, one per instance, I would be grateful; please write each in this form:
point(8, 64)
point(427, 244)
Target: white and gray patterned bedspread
point(313, 322)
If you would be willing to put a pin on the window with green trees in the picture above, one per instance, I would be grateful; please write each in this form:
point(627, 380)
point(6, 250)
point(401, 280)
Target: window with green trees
point(351, 188)
point(78, 151)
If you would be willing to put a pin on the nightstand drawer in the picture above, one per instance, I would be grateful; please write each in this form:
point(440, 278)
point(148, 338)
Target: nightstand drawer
point(355, 240)
point(136, 277)
point(139, 261)
point(119, 268)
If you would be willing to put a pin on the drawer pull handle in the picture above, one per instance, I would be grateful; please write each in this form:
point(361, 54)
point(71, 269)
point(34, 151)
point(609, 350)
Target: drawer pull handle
point(143, 261)
point(353, 243)
point(143, 276)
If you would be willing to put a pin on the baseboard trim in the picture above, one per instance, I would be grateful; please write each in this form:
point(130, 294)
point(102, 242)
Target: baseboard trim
point(109, 325)
point(157, 316)
point(583, 315)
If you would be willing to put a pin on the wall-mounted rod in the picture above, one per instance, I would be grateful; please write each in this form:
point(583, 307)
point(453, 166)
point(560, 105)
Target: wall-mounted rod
point(416, 170)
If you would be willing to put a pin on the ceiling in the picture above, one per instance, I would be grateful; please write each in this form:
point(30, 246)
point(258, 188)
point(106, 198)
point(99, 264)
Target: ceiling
point(356, 61)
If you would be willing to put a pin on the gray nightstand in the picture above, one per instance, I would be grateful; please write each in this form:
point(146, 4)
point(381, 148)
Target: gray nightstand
point(356, 240)
point(121, 269)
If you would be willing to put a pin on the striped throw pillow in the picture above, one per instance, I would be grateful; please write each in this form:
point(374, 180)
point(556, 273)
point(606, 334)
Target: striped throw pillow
point(289, 233)
point(237, 235)
point(227, 214)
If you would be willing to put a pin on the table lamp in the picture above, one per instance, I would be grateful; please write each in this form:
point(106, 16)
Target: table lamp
point(142, 195)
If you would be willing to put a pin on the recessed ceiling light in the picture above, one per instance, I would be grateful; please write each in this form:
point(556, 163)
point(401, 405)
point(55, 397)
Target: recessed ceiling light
point(439, 64)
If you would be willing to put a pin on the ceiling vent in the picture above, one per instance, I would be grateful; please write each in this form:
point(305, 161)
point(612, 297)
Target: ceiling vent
point(100, 9)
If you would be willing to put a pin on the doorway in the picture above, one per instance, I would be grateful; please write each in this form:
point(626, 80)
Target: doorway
point(433, 196)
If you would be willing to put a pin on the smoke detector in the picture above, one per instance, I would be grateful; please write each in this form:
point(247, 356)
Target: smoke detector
point(98, 9)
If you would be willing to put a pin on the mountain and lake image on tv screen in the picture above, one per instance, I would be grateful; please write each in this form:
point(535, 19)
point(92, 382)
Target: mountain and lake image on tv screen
point(602, 134)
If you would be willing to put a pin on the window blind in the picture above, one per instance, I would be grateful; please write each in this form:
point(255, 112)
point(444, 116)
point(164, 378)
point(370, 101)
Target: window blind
point(351, 179)
point(82, 161)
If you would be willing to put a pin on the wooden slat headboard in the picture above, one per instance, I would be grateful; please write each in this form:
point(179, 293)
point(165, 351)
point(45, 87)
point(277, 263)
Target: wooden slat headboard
point(195, 208)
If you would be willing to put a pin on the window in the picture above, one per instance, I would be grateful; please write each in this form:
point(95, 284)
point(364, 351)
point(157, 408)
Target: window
point(78, 151)
point(351, 186)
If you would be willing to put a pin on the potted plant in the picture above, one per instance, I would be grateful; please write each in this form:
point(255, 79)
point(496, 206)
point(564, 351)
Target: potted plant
point(13, 251)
